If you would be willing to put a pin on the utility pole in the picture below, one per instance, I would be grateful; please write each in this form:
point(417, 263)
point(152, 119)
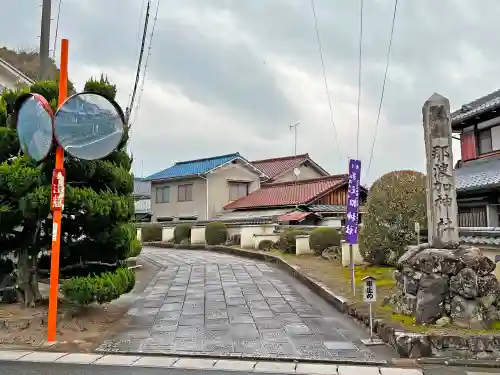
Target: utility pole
point(294, 128)
point(45, 40)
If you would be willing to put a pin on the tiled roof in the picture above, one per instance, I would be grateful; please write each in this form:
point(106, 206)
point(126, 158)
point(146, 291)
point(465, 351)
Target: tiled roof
point(327, 208)
point(142, 188)
point(294, 216)
point(193, 167)
point(288, 193)
point(476, 107)
point(476, 174)
point(276, 166)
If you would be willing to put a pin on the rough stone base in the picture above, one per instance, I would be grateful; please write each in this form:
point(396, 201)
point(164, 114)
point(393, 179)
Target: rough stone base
point(447, 285)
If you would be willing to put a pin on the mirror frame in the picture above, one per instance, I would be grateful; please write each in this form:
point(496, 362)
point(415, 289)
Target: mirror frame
point(45, 104)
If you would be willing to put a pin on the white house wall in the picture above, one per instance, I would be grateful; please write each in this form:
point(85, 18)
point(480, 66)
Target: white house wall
point(306, 172)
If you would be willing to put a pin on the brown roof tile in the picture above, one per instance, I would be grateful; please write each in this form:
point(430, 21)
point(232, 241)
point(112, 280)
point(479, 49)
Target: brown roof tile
point(289, 193)
point(276, 166)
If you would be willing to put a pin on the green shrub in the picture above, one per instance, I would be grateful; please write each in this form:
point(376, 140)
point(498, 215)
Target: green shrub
point(395, 202)
point(286, 242)
point(323, 238)
point(136, 247)
point(99, 288)
point(182, 232)
point(215, 233)
point(267, 245)
point(185, 241)
point(151, 233)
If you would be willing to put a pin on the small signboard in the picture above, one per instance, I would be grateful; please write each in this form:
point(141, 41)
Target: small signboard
point(369, 289)
point(57, 190)
point(370, 296)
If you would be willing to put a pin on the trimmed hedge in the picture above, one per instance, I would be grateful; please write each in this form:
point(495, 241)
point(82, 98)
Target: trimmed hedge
point(286, 242)
point(322, 238)
point(395, 202)
point(99, 288)
point(182, 232)
point(267, 245)
point(136, 248)
point(215, 233)
point(151, 233)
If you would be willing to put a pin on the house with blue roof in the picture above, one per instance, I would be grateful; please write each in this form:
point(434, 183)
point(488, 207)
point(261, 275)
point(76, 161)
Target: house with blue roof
point(199, 189)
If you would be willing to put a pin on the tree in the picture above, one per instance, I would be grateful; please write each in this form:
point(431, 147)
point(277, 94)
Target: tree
point(97, 230)
point(395, 202)
point(23, 206)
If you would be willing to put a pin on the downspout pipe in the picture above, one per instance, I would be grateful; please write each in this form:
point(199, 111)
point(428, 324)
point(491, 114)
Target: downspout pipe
point(206, 192)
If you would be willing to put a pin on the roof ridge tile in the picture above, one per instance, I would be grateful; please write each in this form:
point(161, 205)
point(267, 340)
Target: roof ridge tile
point(235, 154)
point(280, 158)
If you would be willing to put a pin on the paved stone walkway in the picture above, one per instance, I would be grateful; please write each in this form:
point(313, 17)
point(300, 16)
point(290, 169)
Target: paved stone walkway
point(204, 303)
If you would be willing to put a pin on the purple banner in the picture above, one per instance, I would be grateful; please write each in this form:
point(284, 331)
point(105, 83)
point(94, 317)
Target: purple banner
point(351, 228)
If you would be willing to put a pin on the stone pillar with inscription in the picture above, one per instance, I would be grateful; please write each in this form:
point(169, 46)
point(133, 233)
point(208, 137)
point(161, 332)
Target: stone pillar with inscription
point(442, 211)
point(443, 282)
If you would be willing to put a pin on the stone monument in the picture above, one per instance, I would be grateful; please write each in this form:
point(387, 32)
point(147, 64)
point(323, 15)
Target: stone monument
point(441, 281)
point(442, 211)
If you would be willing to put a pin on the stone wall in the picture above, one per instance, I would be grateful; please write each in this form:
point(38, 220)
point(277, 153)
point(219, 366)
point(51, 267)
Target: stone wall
point(447, 285)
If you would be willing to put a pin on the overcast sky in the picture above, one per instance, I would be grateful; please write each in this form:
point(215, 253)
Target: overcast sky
point(231, 75)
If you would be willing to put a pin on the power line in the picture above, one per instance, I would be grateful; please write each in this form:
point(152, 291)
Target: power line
point(138, 41)
point(139, 63)
point(383, 85)
point(147, 61)
point(320, 49)
point(57, 31)
point(359, 72)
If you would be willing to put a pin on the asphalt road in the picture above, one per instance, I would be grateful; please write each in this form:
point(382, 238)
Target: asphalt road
point(26, 368)
point(19, 368)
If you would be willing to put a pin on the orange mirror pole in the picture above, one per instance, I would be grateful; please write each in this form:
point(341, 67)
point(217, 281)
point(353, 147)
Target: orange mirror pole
point(57, 202)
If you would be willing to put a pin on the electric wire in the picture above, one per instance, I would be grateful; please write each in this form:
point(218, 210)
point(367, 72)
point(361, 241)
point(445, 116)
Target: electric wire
point(139, 63)
point(57, 31)
point(360, 61)
point(320, 50)
point(146, 63)
point(138, 41)
point(387, 63)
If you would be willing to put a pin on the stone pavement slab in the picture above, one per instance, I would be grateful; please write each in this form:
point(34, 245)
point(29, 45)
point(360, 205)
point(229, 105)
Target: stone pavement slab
point(81, 358)
point(155, 362)
point(400, 371)
point(355, 370)
point(12, 355)
point(211, 304)
point(117, 360)
point(42, 357)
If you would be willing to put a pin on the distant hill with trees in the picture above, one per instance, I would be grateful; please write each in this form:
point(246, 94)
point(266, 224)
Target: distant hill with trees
point(28, 62)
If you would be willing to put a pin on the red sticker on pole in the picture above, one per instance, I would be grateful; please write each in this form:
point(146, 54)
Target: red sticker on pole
point(57, 191)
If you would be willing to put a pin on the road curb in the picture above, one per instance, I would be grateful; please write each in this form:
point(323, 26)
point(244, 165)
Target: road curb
point(458, 362)
point(251, 357)
point(177, 362)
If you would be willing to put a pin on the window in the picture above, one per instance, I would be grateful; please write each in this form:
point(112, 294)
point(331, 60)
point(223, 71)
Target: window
point(163, 194)
point(237, 190)
point(185, 193)
point(484, 143)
